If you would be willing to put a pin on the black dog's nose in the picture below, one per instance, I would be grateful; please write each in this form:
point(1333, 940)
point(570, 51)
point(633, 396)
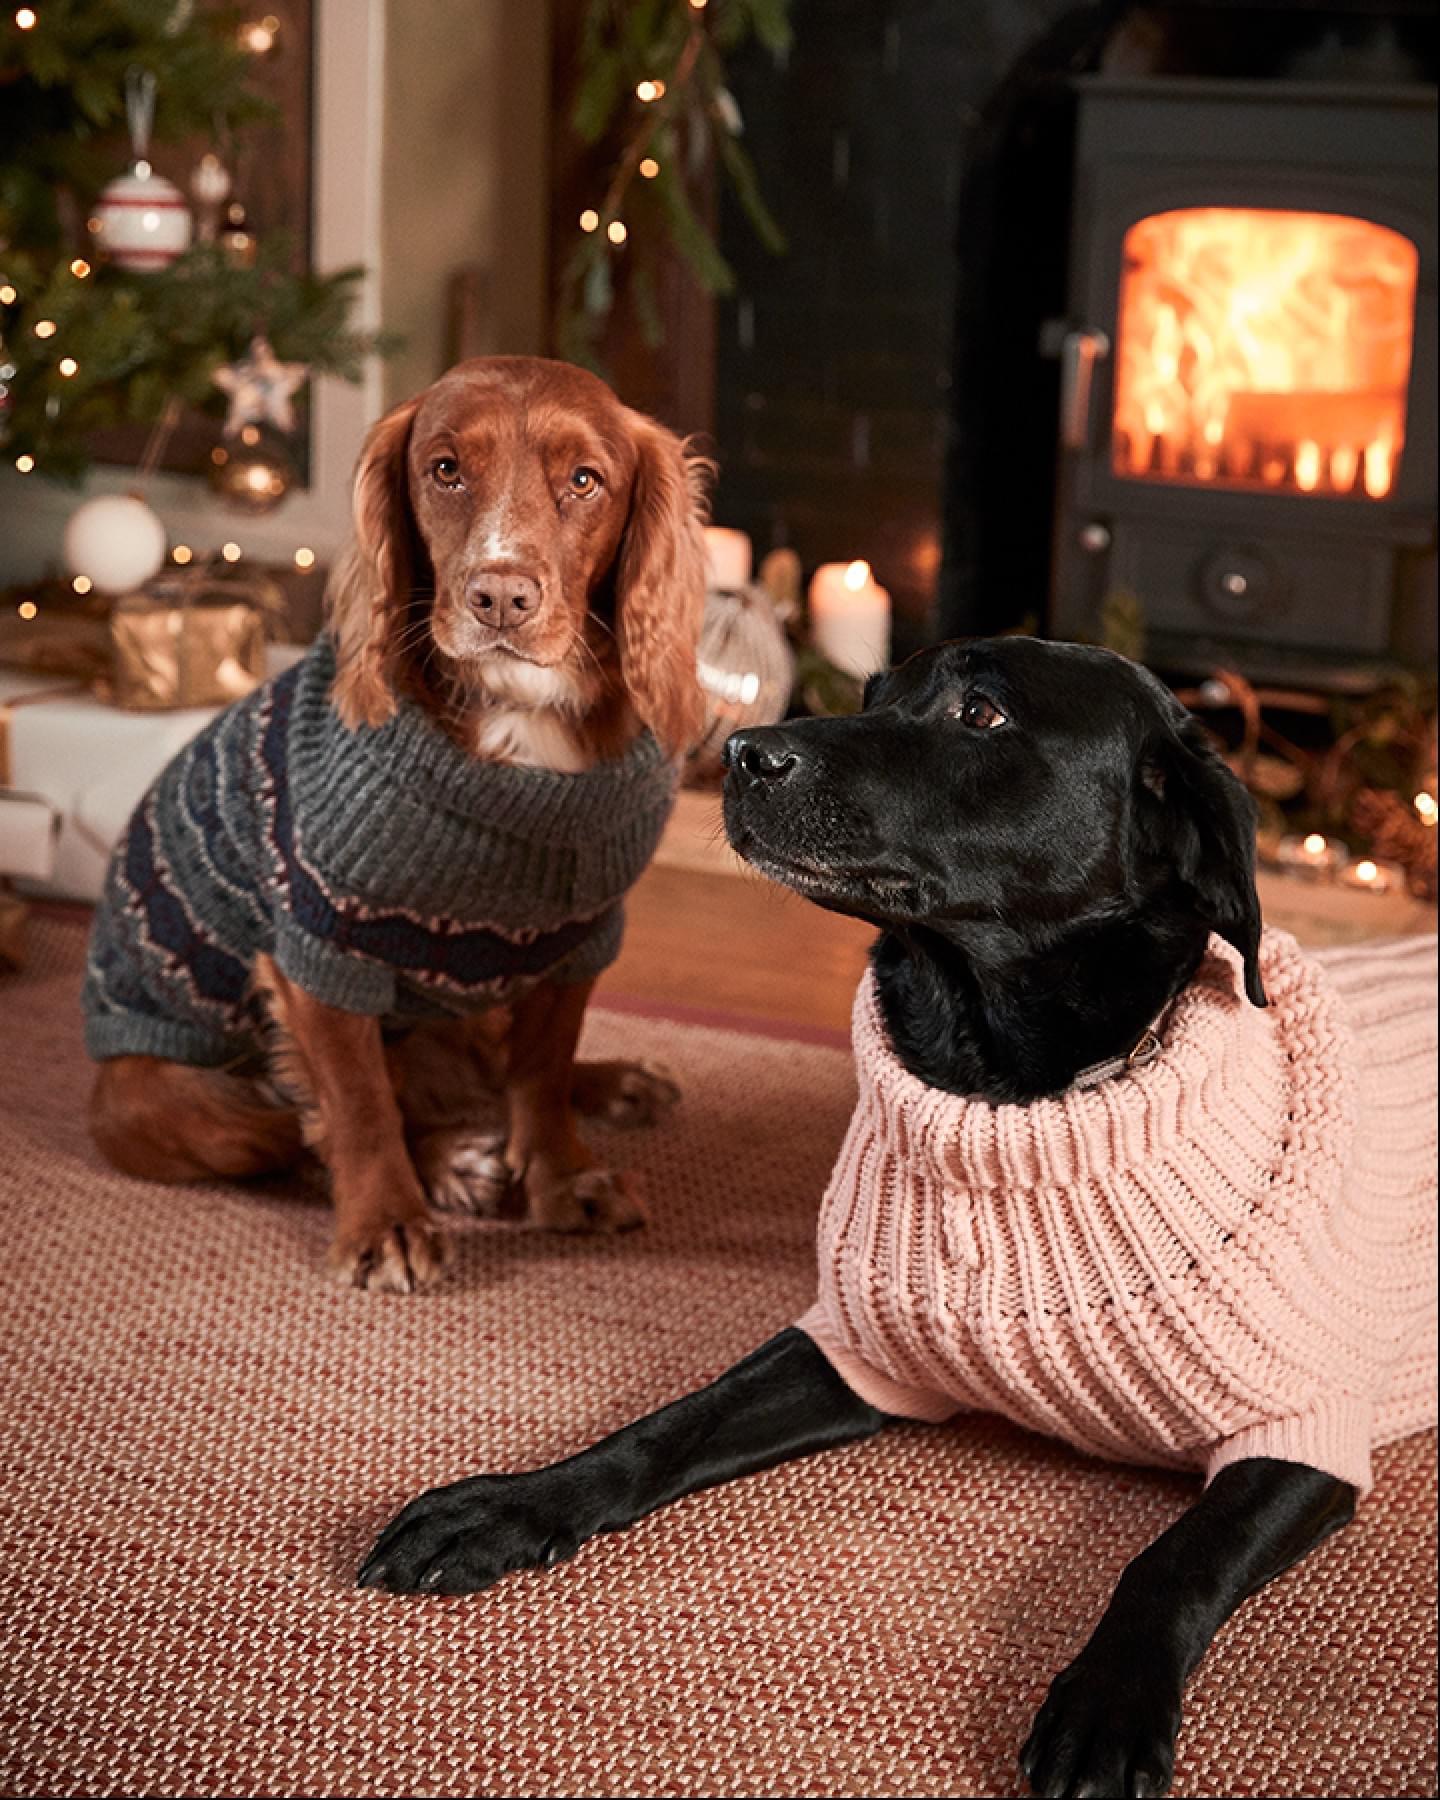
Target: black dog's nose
point(762, 754)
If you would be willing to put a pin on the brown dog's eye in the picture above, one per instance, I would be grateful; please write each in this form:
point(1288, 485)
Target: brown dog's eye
point(584, 482)
point(980, 714)
point(446, 471)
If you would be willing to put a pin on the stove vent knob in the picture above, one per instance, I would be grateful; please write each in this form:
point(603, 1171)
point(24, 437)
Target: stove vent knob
point(1240, 583)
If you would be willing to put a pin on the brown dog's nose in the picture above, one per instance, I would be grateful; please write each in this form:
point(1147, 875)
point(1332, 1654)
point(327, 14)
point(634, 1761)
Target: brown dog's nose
point(503, 598)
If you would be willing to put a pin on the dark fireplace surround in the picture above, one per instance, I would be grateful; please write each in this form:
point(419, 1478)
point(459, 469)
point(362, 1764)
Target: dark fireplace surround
point(956, 184)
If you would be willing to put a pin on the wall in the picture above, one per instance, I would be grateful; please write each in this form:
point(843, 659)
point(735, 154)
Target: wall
point(465, 179)
point(834, 363)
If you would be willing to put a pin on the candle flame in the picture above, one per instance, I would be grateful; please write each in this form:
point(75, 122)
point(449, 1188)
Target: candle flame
point(1314, 844)
point(856, 575)
point(1366, 871)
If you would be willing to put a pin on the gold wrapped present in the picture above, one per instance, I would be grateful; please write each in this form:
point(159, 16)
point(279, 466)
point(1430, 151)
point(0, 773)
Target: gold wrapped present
point(192, 639)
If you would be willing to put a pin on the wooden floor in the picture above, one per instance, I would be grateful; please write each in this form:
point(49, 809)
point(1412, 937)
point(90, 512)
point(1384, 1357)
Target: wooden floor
point(731, 943)
point(737, 944)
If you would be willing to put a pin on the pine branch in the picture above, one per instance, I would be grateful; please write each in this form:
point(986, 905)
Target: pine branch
point(624, 43)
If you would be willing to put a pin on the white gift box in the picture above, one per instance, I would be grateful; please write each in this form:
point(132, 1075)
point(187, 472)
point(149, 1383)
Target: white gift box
point(89, 764)
point(28, 828)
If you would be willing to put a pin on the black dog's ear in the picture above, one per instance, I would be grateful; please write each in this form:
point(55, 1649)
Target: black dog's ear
point(1199, 816)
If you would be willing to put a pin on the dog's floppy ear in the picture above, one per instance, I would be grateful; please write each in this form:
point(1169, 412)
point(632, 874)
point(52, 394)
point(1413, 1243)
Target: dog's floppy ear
point(660, 585)
point(1196, 814)
point(369, 594)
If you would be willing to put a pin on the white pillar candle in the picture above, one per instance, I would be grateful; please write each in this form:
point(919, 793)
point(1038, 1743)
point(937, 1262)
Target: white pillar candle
point(850, 617)
point(727, 559)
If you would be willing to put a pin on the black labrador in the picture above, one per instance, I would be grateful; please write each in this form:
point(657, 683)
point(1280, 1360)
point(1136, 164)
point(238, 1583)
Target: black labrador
point(1101, 842)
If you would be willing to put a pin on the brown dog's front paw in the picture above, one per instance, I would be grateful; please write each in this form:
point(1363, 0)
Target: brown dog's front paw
point(464, 1171)
point(586, 1200)
point(397, 1258)
point(622, 1093)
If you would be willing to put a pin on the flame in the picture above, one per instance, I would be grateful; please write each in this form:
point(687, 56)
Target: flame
point(856, 575)
point(1263, 348)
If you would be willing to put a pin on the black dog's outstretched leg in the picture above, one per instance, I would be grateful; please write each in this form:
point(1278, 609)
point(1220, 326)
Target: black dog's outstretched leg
point(783, 1401)
point(1109, 1722)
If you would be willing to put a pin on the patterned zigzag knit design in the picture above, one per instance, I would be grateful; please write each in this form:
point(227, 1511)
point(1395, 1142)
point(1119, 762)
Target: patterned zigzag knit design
point(386, 871)
point(1230, 1253)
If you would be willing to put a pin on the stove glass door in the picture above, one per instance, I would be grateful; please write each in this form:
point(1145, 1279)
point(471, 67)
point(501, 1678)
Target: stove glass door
point(1263, 350)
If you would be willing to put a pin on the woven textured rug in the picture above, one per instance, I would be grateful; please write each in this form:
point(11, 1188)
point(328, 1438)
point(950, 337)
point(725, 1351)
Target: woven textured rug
point(200, 1438)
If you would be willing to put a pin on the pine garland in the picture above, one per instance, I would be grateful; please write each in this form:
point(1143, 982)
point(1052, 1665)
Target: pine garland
point(653, 81)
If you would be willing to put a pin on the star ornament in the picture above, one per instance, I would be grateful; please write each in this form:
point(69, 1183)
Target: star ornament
point(260, 389)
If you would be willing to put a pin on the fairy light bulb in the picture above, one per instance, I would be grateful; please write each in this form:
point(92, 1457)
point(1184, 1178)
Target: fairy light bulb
point(27, 609)
point(67, 365)
point(45, 328)
point(649, 168)
point(82, 584)
point(181, 554)
point(25, 462)
point(258, 36)
point(646, 91)
point(304, 557)
point(616, 232)
point(27, 18)
point(589, 219)
point(1427, 806)
point(79, 268)
point(231, 552)
point(1314, 844)
point(8, 295)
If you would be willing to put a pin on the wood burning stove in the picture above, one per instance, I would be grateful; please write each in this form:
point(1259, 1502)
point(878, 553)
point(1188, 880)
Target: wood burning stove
point(1248, 411)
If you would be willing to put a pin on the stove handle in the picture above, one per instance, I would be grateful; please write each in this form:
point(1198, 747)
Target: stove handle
point(1079, 352)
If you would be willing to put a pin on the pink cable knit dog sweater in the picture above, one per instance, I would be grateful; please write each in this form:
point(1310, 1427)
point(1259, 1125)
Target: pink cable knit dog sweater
point(1228, 1253)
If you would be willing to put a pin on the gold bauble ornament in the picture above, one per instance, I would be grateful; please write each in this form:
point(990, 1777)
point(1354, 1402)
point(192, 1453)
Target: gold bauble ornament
point(252, 471)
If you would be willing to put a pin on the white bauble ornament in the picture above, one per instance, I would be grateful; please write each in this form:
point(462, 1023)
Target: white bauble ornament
point(116, 541)
point(141, 220)
point(746, 668)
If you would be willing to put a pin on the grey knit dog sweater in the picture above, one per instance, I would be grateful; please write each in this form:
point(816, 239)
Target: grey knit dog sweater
point(386, 871)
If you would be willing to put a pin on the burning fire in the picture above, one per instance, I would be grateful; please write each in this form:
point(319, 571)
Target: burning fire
point(1264, 349)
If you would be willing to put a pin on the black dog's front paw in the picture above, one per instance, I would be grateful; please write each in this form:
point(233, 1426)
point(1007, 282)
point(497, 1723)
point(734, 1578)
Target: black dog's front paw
point(1107, 1727)
point(461, 1538)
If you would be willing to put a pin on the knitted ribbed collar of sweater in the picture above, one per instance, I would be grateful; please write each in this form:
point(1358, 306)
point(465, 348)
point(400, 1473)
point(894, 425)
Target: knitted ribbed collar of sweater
point(1232, 1083)
point(400, 814)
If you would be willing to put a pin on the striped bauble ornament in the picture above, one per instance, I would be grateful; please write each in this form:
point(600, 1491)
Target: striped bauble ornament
point(141, 220)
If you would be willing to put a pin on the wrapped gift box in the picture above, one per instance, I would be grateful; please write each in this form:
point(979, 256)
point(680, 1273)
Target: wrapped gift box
point(91, 763)
point(194, 637)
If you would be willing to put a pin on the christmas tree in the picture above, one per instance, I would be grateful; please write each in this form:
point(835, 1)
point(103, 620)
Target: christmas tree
point(109, 313)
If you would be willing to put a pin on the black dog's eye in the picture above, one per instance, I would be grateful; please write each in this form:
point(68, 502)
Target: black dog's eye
point(445, 471)
point(584, 482)
point(980, 714)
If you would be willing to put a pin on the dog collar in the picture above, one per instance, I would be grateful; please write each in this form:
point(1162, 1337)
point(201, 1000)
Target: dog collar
point(1140, 1056)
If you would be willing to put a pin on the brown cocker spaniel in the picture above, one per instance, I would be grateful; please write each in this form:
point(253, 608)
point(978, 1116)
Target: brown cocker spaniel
point(511, 647)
